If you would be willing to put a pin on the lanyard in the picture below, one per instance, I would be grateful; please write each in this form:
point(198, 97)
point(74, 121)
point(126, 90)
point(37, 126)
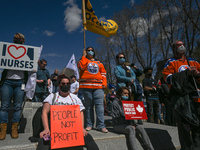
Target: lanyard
point(68, 95)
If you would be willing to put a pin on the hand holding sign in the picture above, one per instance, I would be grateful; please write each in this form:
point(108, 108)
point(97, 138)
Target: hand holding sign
point(66, 126)
point(18, 57)
point(134, 110)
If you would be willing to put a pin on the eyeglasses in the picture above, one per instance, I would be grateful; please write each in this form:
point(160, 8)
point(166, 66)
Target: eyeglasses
point(178, 45)
point(64, 83)
point(121, 57)
point(44, 64)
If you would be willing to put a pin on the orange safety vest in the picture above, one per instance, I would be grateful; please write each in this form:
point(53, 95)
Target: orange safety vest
point(92, 74)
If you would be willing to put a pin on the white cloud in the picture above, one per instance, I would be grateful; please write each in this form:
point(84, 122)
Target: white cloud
point(102, 18)
point(72, 16)
point(49, 33)
point(132, 2)
point(105, 6)
point(139, 25)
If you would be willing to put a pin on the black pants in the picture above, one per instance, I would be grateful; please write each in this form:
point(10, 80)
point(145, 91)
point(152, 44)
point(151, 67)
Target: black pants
point(152, 109)
point(189, 135)
point(169, 118)
point(89, 144)
point(138, 97)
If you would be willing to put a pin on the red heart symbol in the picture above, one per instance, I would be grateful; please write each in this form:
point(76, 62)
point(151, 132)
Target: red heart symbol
point(16, 49)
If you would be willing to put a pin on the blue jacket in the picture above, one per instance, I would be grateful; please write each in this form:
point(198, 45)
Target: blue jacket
point(120, 75)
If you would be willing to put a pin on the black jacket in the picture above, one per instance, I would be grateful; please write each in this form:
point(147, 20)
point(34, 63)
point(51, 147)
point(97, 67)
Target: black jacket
point(181, 96)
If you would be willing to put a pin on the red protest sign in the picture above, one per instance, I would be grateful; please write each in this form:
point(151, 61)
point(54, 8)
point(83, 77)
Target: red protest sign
point(66, 126)
point(134, 110)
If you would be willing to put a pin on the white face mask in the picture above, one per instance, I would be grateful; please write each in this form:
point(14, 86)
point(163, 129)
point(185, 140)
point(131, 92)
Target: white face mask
point(181, 49)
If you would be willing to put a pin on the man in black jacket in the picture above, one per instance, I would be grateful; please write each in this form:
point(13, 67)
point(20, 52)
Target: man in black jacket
point(182, 74)
point(151, 94)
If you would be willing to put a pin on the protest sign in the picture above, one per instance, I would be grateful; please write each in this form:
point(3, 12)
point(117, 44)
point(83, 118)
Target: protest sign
point(134, 110)
point(66, 126)
point(18, 57)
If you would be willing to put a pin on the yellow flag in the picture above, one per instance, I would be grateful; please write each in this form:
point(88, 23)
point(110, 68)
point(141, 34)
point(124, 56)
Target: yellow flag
point(106, 28)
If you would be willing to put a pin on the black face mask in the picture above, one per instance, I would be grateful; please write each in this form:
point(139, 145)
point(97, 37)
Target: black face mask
point(65, 88)
point(149, 74)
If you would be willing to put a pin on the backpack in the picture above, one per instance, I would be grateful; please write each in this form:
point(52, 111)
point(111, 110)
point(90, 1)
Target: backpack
point(37, 121)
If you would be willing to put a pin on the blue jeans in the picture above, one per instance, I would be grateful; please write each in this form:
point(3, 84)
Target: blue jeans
point(11, 89)
point(94, 97)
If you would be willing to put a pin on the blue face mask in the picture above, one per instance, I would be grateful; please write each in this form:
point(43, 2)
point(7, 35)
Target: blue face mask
point(90, 53)
point(124, 97)
point(121, 60)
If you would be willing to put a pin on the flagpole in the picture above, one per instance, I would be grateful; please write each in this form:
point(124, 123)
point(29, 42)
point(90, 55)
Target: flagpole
point(63, 71)
point(84, 20)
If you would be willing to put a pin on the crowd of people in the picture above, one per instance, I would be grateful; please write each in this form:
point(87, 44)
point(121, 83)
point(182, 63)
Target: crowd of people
point(176, 92)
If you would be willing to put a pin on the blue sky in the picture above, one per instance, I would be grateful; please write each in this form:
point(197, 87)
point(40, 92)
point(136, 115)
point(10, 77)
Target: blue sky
point(55, 24)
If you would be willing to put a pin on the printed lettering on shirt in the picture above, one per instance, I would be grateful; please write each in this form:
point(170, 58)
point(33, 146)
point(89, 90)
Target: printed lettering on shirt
point(93, 68)
point(182, 68)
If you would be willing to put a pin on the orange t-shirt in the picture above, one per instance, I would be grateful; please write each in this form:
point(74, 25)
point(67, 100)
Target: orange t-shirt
point(92, 74)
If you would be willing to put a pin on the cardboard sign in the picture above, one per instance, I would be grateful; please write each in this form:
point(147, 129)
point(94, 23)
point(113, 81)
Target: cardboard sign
point(66, 126)
point(134, 110)
point(18, 57)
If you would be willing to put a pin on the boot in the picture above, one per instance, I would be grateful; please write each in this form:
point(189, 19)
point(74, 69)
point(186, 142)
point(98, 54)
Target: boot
point(14, 133)
point(3, 128)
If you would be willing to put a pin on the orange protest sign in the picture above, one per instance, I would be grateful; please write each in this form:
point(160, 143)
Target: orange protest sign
point(66, 126)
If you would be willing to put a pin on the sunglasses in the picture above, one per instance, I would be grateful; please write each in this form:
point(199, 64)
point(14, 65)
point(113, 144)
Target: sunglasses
point(121, 57)
point(64, 83)
point(90, 50)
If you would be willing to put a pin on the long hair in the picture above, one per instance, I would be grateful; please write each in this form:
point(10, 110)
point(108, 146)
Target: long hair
point(119, 93)
point(93, 50)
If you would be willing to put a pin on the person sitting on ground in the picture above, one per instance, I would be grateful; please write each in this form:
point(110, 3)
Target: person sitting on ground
point(128, 127)
point(63, 97)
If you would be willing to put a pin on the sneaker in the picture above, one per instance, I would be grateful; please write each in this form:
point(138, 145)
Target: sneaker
point(88, 128)
point(104, 130)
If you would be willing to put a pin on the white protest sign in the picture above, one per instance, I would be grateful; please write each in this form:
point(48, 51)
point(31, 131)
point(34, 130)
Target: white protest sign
point(18, 57)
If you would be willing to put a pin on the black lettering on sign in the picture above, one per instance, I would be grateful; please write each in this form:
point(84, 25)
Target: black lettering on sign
point(67, 124)
point(59, 137)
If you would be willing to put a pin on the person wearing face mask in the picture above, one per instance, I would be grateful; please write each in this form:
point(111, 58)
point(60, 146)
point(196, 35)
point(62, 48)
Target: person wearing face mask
point(92, 82)
point(130, 128)
point(13, 83)
point(109, 99)
point(182, 74)
point(125, 76)
point(63, 97)
point(151, 94)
